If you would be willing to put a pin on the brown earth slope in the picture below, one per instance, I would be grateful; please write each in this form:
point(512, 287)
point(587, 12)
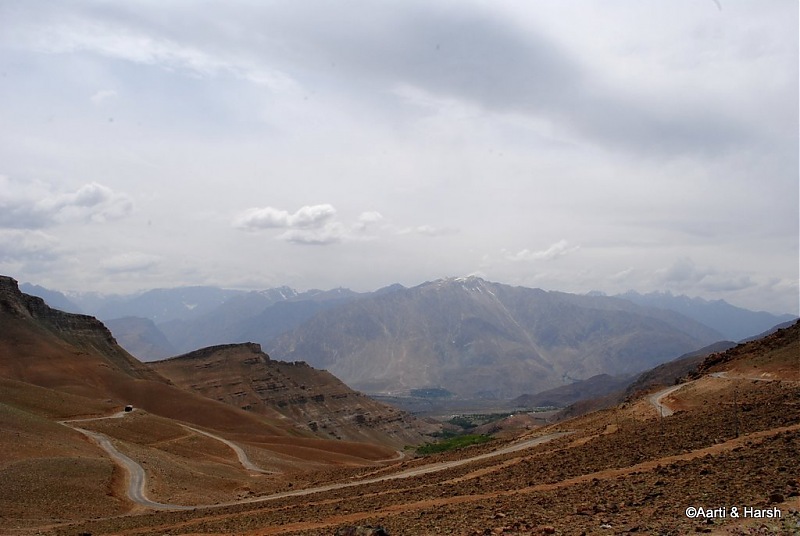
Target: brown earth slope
point(77, 354)
point(245, 377)
point(733, 442)
point(56, 367)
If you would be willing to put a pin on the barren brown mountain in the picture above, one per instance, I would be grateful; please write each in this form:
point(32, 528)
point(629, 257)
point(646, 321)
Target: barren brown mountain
point(243, 376)
point(64, 437)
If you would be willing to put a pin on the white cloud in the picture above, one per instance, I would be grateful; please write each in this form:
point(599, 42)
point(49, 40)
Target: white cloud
point(686, 276)
point(311, 216)
point(307, 217)
point(309, 225)
point(330, 233)
point(559, 249)
point(35, 207)
point(367, 220)
point(683, 271)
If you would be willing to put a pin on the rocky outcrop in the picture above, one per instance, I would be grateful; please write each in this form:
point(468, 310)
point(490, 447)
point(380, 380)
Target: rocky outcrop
point(776, 339)
point(82, 331)
point(244, 376)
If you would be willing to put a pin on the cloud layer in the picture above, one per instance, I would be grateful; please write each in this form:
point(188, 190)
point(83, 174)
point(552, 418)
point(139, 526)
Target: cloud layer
point(572, 145)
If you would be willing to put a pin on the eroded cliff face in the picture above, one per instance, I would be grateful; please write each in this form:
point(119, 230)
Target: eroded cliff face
point(244, 376)
point(83, 331)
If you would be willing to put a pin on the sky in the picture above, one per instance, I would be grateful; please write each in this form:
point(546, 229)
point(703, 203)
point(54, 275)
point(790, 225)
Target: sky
point(573, 145)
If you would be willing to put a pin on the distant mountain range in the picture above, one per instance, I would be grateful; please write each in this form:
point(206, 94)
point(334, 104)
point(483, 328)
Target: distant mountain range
point(141, 338)
point(465, 335)
point(54, 299)
point(480, 339)
point(735, 323)
point(252, 317)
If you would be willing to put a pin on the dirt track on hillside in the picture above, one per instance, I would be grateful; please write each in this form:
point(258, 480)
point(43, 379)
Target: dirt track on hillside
point(411, 507)
point(730, 443)
point(240, 454)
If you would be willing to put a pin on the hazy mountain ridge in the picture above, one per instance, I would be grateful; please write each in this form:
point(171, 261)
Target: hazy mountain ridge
point(735, 323)
point(596, 386)
point(205, 316)
point(477, 338)
point(55, 299)
point(256, 316)
point(141, 338)
point(165, 304)
point(665, 374)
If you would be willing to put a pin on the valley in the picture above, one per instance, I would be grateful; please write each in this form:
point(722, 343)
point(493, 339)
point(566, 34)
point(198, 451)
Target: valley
point(624, 470)
point(220, 441)
point(405, 268)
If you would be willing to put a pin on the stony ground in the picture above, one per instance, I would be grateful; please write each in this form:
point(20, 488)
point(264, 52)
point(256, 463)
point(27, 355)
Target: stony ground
point(621, 471)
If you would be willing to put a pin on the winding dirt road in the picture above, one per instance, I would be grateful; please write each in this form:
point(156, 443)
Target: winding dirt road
point(241, 454)
point(137, 477)
point(665, 411)
point(416, 471)
point(656, 398)
point(136, 474)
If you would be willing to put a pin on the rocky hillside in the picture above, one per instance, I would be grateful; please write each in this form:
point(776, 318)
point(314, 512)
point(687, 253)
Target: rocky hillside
point(481, 339)
point(77, 354)
point(663, 375)
point(243, 376)
point(28, 319)
point(64, 383)
point(731, 442)
point(778, 350)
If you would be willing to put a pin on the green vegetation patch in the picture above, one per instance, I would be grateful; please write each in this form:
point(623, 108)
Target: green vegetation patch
point(463, 422)
point(453, 443)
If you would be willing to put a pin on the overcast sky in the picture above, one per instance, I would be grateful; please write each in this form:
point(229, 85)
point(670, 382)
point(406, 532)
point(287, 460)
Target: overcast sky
point(568, 145)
